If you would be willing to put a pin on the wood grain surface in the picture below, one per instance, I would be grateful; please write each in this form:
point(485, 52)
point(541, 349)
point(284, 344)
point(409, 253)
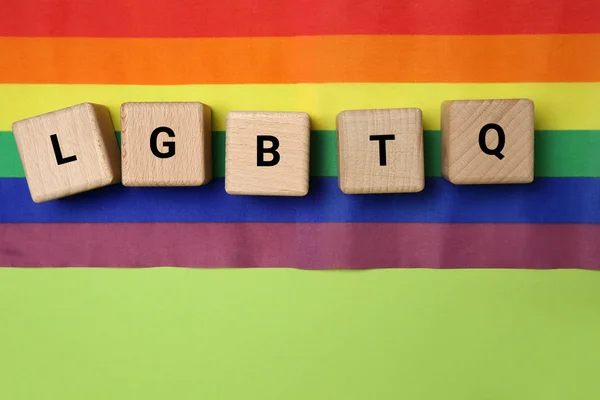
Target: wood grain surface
point(190, 150)
point(290, 176)
point(84, 131)
point(464, 161)
point(359, 153)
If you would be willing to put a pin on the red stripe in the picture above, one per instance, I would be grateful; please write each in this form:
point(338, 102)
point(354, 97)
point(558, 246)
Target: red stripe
point(308, 246)
point(191, 18)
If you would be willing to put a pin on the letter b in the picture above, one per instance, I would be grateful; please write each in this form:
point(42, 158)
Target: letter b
point(261, 150)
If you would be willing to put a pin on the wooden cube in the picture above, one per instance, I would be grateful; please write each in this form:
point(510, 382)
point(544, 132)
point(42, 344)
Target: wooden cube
point(381, 151)
point(166, 144)
point(68, 151)
point(267, 153)
point(487, 141)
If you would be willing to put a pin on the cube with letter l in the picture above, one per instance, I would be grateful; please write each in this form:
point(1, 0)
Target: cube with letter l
point(68, 151)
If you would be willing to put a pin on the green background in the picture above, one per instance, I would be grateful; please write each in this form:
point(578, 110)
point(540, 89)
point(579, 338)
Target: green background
point(175, 333)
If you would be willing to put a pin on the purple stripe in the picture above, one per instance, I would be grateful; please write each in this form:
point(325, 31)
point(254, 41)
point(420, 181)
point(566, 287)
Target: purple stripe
point(308, 246)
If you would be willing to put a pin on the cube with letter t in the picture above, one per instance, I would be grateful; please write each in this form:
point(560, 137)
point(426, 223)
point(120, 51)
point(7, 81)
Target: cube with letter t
point(166, 144)
point(267, 153)
point(488, 141)
point(68, 151)
point(381, 151)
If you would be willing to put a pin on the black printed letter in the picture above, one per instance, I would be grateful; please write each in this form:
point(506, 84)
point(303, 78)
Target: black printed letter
point(382, 153)
point(169, 145)
point(58, 154)
point(260, 151)
point(501, 140)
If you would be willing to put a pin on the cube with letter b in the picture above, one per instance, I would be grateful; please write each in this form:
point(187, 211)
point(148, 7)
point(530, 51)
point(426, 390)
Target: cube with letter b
point(488, 141)
point(267, 153)
point(381, 151)
point(166, 144)
point(68, 151)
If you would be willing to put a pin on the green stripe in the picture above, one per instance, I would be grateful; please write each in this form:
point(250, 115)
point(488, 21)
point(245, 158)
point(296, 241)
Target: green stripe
point(557, 154)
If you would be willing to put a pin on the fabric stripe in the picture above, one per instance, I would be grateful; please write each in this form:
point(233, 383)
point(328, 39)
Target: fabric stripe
point(559, 106)
point(309, 246)
point(187, 18)
point(547, 200)
point(323, 148)
point(557, 154)
point(317, 59)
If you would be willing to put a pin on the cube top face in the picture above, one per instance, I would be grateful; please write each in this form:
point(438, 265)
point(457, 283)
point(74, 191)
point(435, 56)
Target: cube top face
point(68, 151)
point(488, 141)
point(166, 144)
point(267, 153)
point(381, 151)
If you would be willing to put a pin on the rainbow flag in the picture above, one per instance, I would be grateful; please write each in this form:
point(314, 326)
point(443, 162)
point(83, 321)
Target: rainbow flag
point(320, 57)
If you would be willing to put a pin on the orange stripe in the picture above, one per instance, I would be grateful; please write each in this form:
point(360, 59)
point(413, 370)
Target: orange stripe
point(316, 59)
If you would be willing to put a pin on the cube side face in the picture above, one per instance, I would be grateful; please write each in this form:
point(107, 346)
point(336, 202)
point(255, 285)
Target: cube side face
point(208, 139)
point(489, 141)
point(381, 151)
point(283, 171)
point(107, 144)
point(341, 149)
point(63, 152)
point(164, 144)
point(445, 139)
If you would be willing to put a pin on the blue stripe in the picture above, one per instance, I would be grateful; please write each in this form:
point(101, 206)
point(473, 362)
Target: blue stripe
point(547, 200)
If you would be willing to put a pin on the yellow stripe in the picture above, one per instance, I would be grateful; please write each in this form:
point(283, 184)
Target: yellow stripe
point(558, 105)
